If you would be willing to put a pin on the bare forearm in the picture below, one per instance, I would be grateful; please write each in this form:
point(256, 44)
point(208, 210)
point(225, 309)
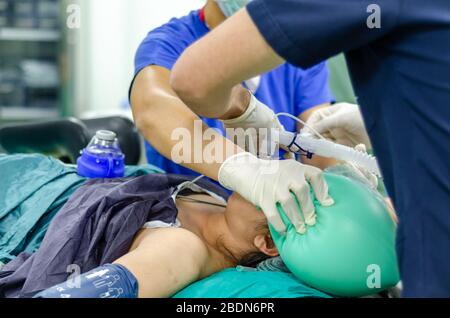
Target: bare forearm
point(238, 102)
point(180, 138)
point(207, 72)
point(173, 129)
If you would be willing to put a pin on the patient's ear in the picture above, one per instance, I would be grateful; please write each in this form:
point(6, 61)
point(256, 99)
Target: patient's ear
point(265, 244)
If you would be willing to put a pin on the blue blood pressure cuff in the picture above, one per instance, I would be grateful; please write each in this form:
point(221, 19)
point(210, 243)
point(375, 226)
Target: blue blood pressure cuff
point(107, 281)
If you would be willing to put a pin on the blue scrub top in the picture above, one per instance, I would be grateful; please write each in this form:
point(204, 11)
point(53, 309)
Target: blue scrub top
point(286, 89)
point(401, 75)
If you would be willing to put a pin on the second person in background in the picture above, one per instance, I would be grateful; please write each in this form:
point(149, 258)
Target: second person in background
point(160, 115)
point(158, 111)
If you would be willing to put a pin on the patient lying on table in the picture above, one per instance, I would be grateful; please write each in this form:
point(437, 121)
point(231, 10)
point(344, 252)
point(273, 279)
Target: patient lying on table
point(144, 237)
point(212, 236)
point(149, 236)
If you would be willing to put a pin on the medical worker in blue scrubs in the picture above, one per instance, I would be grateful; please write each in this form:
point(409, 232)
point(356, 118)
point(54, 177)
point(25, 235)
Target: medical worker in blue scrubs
point(160, 114)
point(285, 89)
point(398, 53)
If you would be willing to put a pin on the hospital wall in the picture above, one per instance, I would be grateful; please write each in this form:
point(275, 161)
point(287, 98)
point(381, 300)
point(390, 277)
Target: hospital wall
point(84, 69)
point(105, 44)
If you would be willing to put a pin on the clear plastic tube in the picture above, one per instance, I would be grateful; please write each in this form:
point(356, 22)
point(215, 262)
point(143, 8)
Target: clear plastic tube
point(325, 148)
point(329, 149)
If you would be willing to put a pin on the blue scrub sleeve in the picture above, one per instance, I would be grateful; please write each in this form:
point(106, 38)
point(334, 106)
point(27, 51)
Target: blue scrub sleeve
point(155, 50)
point(306, 32)
point(313, 89)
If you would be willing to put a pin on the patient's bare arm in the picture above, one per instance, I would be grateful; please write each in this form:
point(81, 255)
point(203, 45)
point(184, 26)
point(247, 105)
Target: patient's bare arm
point(166, 260)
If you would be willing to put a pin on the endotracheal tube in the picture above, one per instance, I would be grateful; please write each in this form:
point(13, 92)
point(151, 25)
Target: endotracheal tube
point(306, 143)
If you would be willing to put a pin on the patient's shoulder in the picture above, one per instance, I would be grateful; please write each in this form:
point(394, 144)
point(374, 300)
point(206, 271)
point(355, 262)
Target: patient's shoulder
point(175, 235)
point(182, 239)
point(179, 242)
point(165, 260)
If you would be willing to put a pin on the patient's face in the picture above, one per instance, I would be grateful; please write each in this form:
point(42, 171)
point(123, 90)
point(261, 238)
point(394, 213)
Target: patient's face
point(243, 216)
point(249, 228)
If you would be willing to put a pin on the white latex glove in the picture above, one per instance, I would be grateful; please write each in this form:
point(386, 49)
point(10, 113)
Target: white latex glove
point(257, 116)
point(267, 182)
point(341, 123)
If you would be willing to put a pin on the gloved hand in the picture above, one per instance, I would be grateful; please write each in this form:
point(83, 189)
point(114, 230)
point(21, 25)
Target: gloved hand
point(341, 123)
point(256, 116)
point(268, 182)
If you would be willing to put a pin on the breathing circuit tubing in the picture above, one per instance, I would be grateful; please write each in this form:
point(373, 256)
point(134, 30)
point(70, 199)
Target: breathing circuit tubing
point(306, 143)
